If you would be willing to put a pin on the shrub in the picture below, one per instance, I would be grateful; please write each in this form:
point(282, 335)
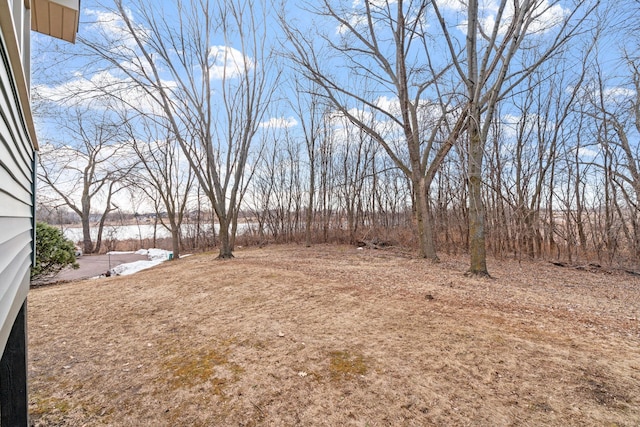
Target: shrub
point(53, 252)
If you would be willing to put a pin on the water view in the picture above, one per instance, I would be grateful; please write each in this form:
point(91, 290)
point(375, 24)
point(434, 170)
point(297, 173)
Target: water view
point(140, 232)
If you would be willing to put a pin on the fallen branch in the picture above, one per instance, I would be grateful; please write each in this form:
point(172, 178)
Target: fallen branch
point(374, 244)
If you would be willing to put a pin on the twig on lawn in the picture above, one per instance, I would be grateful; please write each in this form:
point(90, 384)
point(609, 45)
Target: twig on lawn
point(258, 408)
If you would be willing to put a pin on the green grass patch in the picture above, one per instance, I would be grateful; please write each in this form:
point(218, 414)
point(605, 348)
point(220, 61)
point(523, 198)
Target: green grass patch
point(187, 368)
point(344, 365)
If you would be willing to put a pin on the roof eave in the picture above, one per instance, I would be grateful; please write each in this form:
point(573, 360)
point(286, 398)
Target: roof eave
point(56, 18)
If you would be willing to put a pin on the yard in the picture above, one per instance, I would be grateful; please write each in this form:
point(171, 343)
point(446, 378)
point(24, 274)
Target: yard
point(332, 336)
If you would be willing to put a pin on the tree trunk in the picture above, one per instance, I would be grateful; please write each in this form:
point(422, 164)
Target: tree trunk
point(309, 219)
point(423, 221)
point(175, 240)
point(155, 229)
point(86, 234)
point(226, 248)
point(99, 237)
point(312, 189)
point(477, 247)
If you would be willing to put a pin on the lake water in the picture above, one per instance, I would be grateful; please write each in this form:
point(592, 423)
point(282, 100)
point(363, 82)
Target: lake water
point(137, 232)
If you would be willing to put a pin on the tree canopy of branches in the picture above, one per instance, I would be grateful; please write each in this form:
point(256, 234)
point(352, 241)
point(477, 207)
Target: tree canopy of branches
point(498, 55)
point(162, 177)
point(89, 163)
point(393, 90)
point(212, 96)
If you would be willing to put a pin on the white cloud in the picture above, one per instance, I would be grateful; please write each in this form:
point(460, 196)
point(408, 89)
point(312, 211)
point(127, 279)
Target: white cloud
point(357, 17)
point(77, 91)
point(610, 95)
point(513, 124)
point(428, 115)
point(374, 3)
point(228, 62)
point(618, 93)
point(65, 166)
point(362, 115)
point(544, 16)
point(355, 20)
point(587, 153)
point(388, 104)
point(279, 123)
point(510, 124)
point(547, 16)
point(455, 5)
point(101, 91)
point(112, 26)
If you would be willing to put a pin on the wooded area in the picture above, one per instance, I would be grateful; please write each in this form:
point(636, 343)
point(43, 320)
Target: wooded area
point(435, 125)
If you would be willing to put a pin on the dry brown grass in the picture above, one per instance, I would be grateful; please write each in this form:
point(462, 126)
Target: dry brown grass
point(331, 335)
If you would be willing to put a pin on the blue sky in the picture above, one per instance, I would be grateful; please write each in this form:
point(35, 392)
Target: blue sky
point(56, 73)
point(55, 79)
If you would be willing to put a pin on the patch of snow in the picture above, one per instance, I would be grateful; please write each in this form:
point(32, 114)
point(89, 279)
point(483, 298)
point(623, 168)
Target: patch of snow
point(134, 267)
point(154, 253)
point(158, 254)
point(119, 252)
point(156, 257)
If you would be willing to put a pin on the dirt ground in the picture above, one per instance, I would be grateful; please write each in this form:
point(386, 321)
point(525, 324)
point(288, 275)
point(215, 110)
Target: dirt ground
point(333, 336)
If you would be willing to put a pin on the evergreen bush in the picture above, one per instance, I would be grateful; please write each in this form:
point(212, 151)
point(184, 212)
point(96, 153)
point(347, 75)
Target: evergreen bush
point(53, 252)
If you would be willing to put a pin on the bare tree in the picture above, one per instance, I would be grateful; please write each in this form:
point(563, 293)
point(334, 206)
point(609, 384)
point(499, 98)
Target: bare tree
point(384, 49)
point(523, 157)
point(212, 97)
point(88, 164)
point(164, 177)
point(310, 112)
point(355, 159)
point(277, 189)
point(498, 55)
point(616, 112)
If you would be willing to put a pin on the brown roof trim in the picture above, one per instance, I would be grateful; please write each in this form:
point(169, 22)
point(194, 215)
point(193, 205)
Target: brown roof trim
point(9, 36)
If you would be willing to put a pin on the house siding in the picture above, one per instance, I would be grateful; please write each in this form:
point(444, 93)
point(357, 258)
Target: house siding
point(17, 162)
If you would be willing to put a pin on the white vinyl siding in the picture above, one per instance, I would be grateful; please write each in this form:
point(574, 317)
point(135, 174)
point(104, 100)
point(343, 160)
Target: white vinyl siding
point(16, 190)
